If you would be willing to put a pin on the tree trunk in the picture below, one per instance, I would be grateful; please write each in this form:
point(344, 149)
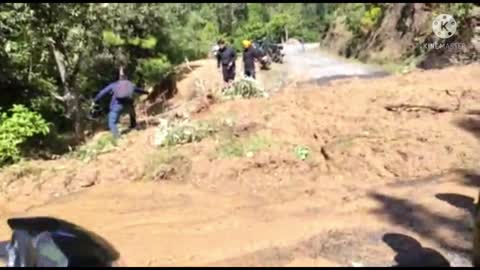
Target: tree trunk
point(286, 33)
point(71, 96)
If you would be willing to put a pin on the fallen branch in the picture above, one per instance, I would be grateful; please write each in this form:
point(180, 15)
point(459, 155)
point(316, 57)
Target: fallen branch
point(435, 109)
point(325, 155)
point(459, 101)
point(411, 107)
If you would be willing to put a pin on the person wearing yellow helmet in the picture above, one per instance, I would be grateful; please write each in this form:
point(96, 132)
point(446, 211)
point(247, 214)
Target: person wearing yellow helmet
point(249, 55)
point(246, 43)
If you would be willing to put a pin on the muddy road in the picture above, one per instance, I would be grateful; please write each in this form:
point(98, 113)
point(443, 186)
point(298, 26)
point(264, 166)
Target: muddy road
point(310, 65)
point(379, 188)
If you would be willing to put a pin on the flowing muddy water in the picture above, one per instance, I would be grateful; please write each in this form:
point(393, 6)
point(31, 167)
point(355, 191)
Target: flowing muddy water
point(312, 66)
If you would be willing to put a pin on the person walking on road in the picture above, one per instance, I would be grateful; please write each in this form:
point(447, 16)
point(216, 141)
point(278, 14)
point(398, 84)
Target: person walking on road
point(249, 55)
point(302, 42)
point(122, 101)
point(226, 58)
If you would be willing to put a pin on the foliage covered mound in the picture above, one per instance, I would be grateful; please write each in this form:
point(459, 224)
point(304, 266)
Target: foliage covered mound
point(245, 88)
point(170, 133)
point(91, 150)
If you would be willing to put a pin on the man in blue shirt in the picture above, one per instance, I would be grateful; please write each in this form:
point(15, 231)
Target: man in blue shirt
point(122, 101)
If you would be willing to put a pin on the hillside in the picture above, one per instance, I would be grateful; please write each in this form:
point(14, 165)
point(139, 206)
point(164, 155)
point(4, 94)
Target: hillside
point(400, 33)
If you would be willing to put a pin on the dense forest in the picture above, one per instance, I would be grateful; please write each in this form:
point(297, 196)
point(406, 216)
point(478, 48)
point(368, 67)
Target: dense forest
point(55, 57)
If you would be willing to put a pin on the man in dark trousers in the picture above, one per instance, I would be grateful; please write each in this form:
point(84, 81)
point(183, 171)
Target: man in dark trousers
point(122, 101)
point(302, 43)
point(226, 58)
point(250, 53)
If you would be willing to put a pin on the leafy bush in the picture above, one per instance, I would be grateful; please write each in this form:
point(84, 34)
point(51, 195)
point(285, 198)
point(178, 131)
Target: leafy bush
point(90, 151)
point(460, 11)
point(16, 129)
point(371, 18)
point(353, 15)
point(154, 69)
point(112, 39)
point(302, 152)
point(359, 18)
point(251, 31)
point(171, 133)
point(246, 147)
point(245, 88)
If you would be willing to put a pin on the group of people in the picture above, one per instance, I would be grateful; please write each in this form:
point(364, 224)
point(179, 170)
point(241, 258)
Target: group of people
point(122, 91)
point(226, 58)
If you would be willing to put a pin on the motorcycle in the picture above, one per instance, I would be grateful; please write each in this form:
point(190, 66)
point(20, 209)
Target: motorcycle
point(265, 59)
point(277, 54)
point(271, 53)
point(51, 242)
point(265, 62)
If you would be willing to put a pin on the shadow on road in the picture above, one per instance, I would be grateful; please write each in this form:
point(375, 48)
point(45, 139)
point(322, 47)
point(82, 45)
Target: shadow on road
point(470, 123)
point(411, 253)
point(426, 223)
point(471, 179)
point(459, 201)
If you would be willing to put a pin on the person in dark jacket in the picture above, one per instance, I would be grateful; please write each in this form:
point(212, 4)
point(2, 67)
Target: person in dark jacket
point(120, 105)
point(226, 58)
point(250, 53)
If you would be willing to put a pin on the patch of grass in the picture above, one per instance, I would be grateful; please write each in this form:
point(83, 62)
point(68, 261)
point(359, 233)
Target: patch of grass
point(19, 171)
point(172, 133)
point(396, 68)
point(243, 147)
point(165, 162)
point(91, 150)
point(302, 152)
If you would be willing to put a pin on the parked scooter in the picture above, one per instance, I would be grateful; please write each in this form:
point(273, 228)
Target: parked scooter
point(51, 242)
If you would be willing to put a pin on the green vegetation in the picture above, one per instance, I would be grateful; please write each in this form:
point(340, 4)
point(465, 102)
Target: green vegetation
point(243, 147)
point(19, 171)
point(157, 163)
point(90, 151)
point(245, 88)
point(302, 152)
point(171, 133)
point(15, 128)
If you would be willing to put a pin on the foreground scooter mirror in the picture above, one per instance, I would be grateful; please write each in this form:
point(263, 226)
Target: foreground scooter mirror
point(50, 242)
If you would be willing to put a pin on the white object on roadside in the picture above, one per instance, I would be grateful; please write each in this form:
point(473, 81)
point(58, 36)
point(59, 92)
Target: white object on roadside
point(161, 132)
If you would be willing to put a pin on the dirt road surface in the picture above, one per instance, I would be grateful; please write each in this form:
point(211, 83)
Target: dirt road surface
point(311, 65)
point(389, 180)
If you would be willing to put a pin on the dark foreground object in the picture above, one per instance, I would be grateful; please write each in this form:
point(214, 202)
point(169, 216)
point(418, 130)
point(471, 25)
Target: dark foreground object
point(51, 242)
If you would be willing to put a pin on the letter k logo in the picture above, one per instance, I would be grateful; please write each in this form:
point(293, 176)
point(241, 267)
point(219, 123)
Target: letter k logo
point(444, 26)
